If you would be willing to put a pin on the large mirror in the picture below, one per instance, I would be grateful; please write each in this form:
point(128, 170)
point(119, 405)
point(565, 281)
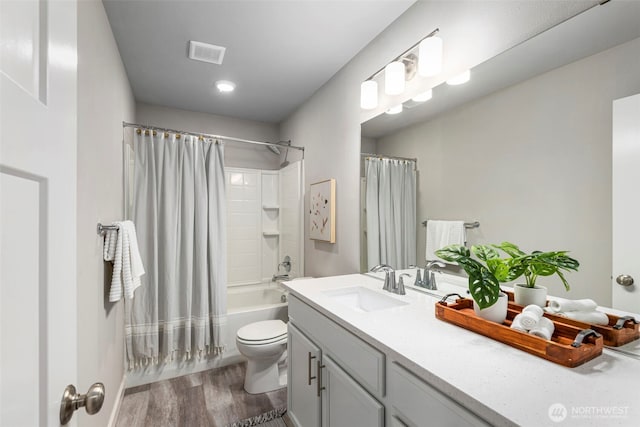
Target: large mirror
point(525, 147)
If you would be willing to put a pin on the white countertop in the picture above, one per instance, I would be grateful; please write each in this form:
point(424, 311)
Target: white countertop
point(502, 384)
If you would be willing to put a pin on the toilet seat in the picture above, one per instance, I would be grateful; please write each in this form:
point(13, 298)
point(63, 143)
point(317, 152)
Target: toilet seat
point(263, 332)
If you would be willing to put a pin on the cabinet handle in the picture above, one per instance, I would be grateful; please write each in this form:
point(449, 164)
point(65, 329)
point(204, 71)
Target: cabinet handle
point(309, 369)
point(319, 374)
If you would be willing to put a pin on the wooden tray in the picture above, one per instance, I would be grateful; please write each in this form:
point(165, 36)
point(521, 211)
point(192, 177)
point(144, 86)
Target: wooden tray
point(569, 346)
point(619, 331)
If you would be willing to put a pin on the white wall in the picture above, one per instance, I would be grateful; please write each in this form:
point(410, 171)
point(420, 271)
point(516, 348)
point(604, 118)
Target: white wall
point(104, 100)
point(328, 124)
point(532, 163)
point(236, 154)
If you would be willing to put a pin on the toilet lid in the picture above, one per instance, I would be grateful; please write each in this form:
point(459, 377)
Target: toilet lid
point(262, 331)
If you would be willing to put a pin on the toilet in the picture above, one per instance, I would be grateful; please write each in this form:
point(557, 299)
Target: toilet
point(264, 344)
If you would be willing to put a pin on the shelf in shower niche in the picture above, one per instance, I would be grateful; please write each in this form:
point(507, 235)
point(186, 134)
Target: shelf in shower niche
point(619, 331)
point(270, 233)
point(569, 346)
point(270, 208)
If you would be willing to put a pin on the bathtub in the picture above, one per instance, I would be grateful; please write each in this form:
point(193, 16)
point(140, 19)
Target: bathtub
point(252, 303)
point(245, 304)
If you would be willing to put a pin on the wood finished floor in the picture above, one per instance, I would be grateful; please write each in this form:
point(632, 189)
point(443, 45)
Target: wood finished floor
point(213, 398)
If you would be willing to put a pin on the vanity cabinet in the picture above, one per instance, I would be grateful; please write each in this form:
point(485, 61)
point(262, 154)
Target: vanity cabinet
point(336, 379)
point(416, 403)
point(303, 402)
point(330, 372)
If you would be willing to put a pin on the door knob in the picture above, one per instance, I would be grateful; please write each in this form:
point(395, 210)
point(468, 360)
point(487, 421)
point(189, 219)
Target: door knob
point(71, 401)
point(624, 280)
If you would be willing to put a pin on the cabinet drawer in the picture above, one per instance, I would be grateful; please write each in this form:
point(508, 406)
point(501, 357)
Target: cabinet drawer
point(418, 403)
point(359, 359)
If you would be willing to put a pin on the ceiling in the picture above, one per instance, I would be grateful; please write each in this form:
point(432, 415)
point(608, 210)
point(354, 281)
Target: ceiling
point(277, 52)
point(592, 31)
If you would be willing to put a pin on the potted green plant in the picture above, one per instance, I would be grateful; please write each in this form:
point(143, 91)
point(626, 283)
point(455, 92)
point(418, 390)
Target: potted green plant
point(485, 279)
point(489, 301)
point(532, 266)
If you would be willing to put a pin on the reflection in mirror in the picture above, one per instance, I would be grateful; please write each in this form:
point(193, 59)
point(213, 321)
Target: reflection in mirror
point(525, 146)
point(388, 211)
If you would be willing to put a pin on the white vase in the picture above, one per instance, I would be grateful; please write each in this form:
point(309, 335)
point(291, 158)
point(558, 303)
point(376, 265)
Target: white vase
point(496, 313)
point(525, 296)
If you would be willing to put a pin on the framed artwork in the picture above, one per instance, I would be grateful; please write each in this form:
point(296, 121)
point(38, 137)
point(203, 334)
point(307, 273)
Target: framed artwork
point(322, 211)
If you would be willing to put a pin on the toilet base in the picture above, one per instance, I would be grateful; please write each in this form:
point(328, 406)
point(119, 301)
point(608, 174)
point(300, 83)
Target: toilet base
point(264, 377)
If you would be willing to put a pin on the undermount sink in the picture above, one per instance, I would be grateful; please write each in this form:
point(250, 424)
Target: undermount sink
point(363, 299)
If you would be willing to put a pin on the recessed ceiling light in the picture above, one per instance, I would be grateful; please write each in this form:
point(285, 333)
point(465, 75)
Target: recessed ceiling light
point(225, 86)
point(395, 110)
point(460, 78)
point(424, 96)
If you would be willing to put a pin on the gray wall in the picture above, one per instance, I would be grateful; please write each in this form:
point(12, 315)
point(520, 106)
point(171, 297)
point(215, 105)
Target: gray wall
point(104, 100)
point(236, 154)
point(328, 124)
point(532, 163)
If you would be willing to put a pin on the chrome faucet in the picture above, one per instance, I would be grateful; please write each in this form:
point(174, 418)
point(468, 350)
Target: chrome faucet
point(389, 277)
point(400, 289)
point(429, 277)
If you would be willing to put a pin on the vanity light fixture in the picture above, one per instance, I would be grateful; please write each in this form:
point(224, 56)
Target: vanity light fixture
point(430, 56)
point(395, 110)
point(225, 86)
point(424, 96)
point(403, 68)
point(369, 95)
point(461, 78)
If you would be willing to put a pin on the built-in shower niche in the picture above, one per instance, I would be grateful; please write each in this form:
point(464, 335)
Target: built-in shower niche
point(264, 223)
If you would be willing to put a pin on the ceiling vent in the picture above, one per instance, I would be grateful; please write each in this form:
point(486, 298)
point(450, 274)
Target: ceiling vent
point(206, 52)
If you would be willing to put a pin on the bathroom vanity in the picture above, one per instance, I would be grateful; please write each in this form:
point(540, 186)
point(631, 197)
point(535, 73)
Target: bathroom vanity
point(360, 356)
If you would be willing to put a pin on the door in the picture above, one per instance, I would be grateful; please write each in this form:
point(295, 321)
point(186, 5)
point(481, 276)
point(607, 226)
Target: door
point(344, 402)
point(38, 88)
point(303, 399)
point(626, 204)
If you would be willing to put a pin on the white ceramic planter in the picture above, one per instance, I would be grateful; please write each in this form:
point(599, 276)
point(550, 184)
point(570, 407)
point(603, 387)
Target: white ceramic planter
point(496, 313)
point(526, 296)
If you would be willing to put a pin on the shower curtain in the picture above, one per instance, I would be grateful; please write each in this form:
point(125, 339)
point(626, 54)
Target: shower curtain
point(390, 212)
point(179, 211)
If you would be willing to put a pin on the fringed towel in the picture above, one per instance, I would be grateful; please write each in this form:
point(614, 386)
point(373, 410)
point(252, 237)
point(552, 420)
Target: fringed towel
point(127, 263)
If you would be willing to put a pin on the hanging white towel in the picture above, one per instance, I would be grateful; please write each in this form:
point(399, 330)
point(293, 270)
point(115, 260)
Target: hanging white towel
point(110, 240)
point(127, 263)
point(441, 234)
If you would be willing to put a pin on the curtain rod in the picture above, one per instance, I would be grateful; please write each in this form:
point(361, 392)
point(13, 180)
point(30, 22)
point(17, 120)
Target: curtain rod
point(207, 135)
point(382, 156)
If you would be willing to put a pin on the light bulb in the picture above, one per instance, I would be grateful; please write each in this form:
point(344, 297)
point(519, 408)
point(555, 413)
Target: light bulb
point(394, 78)
point(225, 86)
point(424, 96)
point(460, 78)
point(430, 56)
point(369, 95)
point(395, 110)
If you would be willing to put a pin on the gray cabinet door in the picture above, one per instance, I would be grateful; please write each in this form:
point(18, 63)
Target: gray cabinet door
point(344, 402)
point(303, 399)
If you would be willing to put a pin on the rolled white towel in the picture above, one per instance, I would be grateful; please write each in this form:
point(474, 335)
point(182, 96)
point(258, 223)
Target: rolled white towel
point(517, 325)
point(592, 317)
point(542, 333)
point(547, 324)
point(535, 309)
point(566, 305)
point(529, 319)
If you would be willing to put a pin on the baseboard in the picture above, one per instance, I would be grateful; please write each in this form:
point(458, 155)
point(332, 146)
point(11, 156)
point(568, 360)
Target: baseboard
point(116, 406)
